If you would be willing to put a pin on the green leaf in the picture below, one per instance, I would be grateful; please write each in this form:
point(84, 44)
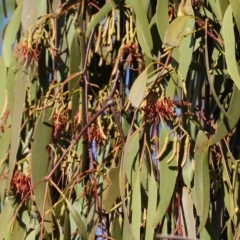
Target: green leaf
point(143, 42)
point(19, 103)
point(18, 231)
point(151, 209)
point(219, 7)
point(235, 5)
point(67, 227)
point(172, 35)
point(116, 229)
point(29, 15)
point(3, 71)
point(226, 125)
point(92, 220)
point(142, 22)
point(162, 18)
point(40, 163)
point(10, 35)
point(6, 216)
point(167, 183)
point(74, 67)
point(189, 219)
point(137, 90)
point(74, 214)
point(113, 190)
point(229, 40)
point(201, 178)
point(136, 208)
point(186, 50)
point(131, 154)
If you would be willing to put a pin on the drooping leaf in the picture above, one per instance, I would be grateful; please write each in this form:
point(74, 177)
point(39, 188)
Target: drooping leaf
point(136, 208)
point(142, 21)
point(10, 35)
point(167, 183)
point(226, 125)
point(92, 220)
point(6, 216)
point(137, 90)
point(116, 229)
point(173, 33)
point(229, 40)
point(152, 203)
point(19, 101)
point(29, 15)
point(40, 163)
point(186, 50)
point(235, 5)
point(113, 190)
point(188, 216)
point(201, 178)
point(162, 18)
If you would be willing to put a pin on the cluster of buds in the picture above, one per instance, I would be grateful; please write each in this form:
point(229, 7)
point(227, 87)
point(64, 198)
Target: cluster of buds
point(196, 4)
point(163, 109)
point(27, 52)
point(21, 184)
point(60, 122)
point(133, 55)
point(95, 134)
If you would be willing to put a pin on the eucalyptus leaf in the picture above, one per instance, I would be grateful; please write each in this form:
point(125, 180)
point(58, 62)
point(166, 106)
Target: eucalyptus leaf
point(173, 34)
point(137, 90)
point(201, 178)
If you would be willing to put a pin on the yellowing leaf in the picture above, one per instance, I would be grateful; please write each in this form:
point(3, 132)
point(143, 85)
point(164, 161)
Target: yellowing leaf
point(172, 35)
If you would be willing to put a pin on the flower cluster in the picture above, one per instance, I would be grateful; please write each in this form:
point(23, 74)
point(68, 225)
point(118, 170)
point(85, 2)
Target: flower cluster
point(196, 4)
point(20, 184)
point(162, 109)
point(27, 52)
point(60, 122)
point(95, 134)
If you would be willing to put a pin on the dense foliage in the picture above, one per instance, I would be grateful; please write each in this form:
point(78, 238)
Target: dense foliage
point(120, 120)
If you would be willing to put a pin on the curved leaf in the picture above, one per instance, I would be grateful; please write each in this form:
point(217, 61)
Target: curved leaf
point(10, 35)
point(136, 208)
point(151, 209)
point(137, 90)
point(226, 124)
point(235, 4)
point(201, 178)
point(162, 18)
point(167, 183)
point(40, 163)
point(142, 21)
point(172, 35)
point(229, 40)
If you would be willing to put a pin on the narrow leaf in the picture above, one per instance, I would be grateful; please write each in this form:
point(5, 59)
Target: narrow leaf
point(229, 40)
point(167, 183)
point(201, 178)
point(235, 5)
point(10, 35)
point(227, 124)
point(139, 9)
point(19, 101)
point(136, 208)
point(40, 163)
point(152, 203)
